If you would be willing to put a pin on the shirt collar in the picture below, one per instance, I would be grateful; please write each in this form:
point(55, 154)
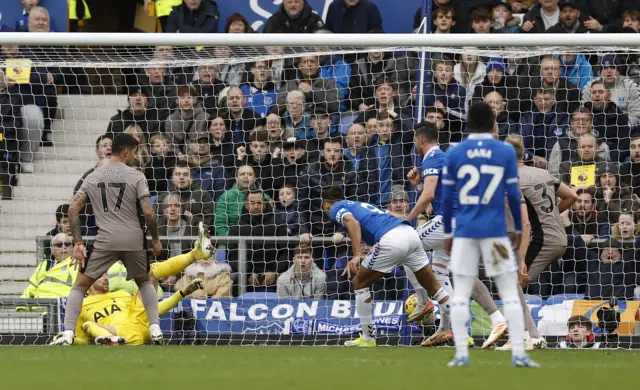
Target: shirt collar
point(480, 136)
point(433, 149)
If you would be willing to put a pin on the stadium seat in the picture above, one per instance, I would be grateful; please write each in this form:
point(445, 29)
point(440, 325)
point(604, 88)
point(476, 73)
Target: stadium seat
point(562, 297)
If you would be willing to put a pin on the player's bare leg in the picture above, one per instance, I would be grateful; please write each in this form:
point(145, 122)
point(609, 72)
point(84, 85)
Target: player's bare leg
point(364, 307)
point(72, 310)
point(422, 308)
point(443, 334)
point(427, 279)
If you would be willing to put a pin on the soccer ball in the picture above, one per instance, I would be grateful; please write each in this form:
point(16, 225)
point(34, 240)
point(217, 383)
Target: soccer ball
point(410, 304)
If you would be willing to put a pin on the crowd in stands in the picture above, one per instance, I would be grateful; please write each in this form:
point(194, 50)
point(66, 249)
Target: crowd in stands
point(248, 148)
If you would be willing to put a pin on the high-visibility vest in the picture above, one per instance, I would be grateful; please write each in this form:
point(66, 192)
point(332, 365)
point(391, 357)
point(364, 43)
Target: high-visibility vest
point(164, 7)
point(53, 283)
point(117, 275)
point(73, 14)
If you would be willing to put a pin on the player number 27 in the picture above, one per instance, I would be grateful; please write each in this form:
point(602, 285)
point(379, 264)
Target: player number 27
point(496, 173)
point(122, 187)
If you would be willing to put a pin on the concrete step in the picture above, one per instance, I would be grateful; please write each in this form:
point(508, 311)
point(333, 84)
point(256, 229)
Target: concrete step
point(69, 151)
point(18, 259)
point(26, 245)
point(21, 206)
point(12, 288)
point(14, 274)
point(92, 100)
point(37, 223)
point(21, 233)
point(73, 126)
point(61, 165)
point(42, 180)
point(62, 194)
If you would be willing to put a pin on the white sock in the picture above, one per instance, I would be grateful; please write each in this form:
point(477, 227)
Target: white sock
point(445, 308)
point(460, 313)
point(364, 310)
point(496, 317)
point(508, 289)
point(421, 293)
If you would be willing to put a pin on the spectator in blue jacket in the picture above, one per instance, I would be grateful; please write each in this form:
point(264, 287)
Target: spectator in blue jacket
point(261, 93)
point(444, 93)
point(207, 172)
point(288, 213)
point(194, 16)
point(22, 21)
point(353, 16)
point(505, 124)
point(576, 69)
point(294, 17)
point(540, 128)
point(334, 67)
point(393, 154)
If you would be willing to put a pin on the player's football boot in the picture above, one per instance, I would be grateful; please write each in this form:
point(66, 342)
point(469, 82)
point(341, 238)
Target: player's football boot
point(533, 343)
point(529, 345)
point(420, 312)
point(524, 361)
point(195, 285)
point(63, 338)
point(156, 334)
point(437, 338)
point(203, 243)
point(110, 340)
point(497, 332)
point(459, 362)
point(360, 342)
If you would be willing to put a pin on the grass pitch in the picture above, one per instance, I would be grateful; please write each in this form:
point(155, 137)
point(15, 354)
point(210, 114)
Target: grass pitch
point(305, 368)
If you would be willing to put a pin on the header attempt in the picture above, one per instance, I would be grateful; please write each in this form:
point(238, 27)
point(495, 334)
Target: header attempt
point(631, 41)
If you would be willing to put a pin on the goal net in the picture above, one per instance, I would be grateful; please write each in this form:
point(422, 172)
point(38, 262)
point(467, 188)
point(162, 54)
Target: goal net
point(244, 134)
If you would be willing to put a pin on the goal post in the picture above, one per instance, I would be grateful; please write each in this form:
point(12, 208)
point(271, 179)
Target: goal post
point(306, 111)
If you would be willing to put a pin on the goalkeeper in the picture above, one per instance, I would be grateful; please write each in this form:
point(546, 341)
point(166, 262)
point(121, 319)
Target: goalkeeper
point(119, 318)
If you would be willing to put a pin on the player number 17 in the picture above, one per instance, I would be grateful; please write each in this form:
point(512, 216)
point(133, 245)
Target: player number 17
point(496, 173)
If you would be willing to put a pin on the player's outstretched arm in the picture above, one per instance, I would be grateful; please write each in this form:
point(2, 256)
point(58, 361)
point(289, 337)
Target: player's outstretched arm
point(567, 197)
point(427, 195)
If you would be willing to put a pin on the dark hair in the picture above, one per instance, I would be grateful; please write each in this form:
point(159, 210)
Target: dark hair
point(102, 138)
point(333, 140)
point(544, 91)
point(237, 18)
point(579, 320)
point(291, 187)
point(586, 190)
point(428, 131)
point(259, 136)
point(255, 189)
point(480, 118)
point(517, 145)
point(385, 114)
point(182, 164)
point(444, 9)
point(186, 90)
point(123, 141)
point(333, 194)
point(480, 14)
point(435, 110)
point(61, 212)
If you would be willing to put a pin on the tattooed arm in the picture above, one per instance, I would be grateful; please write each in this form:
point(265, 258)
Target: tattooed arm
point(76, 205)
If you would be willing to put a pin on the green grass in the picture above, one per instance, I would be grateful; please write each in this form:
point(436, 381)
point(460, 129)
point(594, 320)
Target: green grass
point(305, 368)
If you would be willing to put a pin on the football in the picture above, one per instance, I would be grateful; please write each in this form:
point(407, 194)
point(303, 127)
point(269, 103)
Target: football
point(410, 305)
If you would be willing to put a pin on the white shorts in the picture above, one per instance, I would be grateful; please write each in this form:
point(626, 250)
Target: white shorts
point(496, 253)
point(432, 237)
point(399, 246)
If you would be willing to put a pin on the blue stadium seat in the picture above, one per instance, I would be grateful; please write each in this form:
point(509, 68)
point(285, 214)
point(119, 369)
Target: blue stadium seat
point(533, 299)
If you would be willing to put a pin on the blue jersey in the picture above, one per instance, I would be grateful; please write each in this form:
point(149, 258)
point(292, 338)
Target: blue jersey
point(374, 223)
point(432, 164)
point(481, 169)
